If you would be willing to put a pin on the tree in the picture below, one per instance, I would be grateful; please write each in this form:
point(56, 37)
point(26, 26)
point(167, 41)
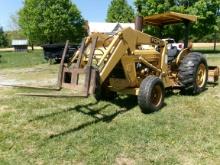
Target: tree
point(120, 11)
point(204, 9)
point(14, 25)
point(51, 21)
point(15, 30)
point(3, 38)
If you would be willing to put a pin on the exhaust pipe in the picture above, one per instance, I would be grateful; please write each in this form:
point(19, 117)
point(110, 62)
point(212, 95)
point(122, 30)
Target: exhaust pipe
point(139, 20)
point(139, 23)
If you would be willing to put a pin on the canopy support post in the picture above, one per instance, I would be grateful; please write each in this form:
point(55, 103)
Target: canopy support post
point(186, 34)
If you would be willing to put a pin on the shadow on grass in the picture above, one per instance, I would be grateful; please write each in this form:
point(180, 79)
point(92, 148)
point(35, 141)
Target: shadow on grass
point(124, 104)
point(76, 108)
point(182, 93)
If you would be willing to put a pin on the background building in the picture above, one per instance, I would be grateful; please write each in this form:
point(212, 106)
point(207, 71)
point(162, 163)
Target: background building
point(108, 28)
point(20, 45)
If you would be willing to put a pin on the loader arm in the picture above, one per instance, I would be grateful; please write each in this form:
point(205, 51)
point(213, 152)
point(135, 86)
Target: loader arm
point(117, 53)
point(124, 43)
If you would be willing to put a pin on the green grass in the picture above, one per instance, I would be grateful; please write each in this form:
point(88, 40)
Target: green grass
point(21, 59)
point(83, 131)
point(213, 59)
point(209, 50)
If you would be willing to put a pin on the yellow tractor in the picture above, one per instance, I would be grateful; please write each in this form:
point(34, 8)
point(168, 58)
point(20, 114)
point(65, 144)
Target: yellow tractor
point(132, 62)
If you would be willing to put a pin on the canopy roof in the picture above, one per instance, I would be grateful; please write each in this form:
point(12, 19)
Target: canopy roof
point(19, 42)
point(168, 18)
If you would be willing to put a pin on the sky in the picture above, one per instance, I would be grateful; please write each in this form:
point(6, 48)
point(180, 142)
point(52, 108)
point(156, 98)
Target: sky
point(91, 10)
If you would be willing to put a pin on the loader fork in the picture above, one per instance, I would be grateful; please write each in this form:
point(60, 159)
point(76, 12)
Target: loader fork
point(80, 81)
point(74, 77)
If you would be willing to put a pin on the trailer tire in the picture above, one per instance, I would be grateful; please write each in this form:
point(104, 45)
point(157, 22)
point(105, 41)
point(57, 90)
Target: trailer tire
point(151, 94)
point(193, 73)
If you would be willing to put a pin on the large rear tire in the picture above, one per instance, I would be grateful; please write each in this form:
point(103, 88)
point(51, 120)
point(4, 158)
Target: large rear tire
point(193, 73)
point(151, 94)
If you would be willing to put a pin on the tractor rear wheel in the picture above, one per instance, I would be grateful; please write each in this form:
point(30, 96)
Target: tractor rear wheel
point(151, 94)
point(193, 73)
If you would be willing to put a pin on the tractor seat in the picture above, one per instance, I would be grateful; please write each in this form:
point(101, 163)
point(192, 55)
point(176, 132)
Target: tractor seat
point(172, 53)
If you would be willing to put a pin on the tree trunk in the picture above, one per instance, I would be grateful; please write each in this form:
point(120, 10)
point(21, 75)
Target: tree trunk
point(32, 46)
point(215, 40)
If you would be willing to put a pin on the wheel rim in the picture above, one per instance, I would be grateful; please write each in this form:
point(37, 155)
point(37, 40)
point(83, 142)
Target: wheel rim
point(157, 95)
point(201, 75)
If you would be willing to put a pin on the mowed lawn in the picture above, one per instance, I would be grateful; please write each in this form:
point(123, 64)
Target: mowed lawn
point(37, 130)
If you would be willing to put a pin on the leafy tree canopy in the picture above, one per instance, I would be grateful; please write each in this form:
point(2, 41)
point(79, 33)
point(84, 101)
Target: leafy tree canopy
point(3, 38)
point(50, 21)
point(120, 11)
point(206, 10)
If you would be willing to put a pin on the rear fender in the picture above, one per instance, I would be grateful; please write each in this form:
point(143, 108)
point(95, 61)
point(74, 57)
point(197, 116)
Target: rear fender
point(181, 55)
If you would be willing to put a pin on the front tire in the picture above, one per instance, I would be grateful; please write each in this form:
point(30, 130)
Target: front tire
point(102, 92)
point(151, 94)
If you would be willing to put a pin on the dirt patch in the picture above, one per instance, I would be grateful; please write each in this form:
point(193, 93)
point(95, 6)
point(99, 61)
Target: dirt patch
point(217, 96)
point(42, 75)
point(24, 82)
point(12, 49)
point(124, 161)
point(4, 109)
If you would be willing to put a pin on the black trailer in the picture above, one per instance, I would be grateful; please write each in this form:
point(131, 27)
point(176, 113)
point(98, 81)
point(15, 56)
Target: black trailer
point(55, 51)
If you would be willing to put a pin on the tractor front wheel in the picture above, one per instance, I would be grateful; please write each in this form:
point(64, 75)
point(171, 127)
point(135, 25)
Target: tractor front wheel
point(102, 92)
point(151, 94)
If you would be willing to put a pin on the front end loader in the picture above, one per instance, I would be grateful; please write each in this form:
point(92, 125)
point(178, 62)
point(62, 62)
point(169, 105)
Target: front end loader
point(135, 63)
point(132, 62)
